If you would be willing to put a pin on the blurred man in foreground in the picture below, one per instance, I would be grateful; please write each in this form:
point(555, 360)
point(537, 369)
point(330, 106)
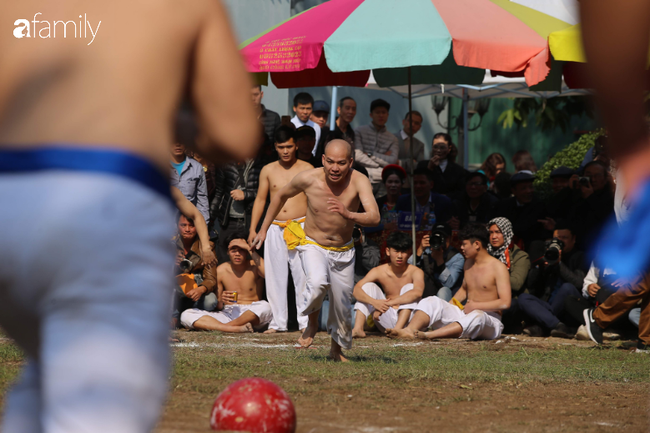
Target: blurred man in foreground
point(85, 132)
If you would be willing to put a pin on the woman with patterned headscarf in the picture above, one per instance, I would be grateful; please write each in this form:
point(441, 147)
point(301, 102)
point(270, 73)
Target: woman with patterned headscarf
point(502, 248)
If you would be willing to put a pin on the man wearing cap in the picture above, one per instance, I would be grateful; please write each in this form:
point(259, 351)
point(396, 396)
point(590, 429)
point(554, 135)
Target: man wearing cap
point(404, 142)
point(320, 113)
point(442, 264)
point(523, 210)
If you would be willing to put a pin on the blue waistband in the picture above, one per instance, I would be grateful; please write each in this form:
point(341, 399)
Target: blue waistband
point(103, 160)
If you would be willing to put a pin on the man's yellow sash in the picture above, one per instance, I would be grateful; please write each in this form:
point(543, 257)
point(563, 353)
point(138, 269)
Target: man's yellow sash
point(294, 235)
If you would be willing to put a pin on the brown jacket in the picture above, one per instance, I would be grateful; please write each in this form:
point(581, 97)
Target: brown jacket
point(194, 256)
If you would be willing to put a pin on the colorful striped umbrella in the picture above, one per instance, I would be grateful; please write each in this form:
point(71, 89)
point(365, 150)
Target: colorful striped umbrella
point(443, 41)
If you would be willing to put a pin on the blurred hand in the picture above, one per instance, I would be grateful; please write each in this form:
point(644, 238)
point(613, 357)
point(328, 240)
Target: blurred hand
point(195, 294)
point(179, 257)
point(548, 223)
point(593, 289)
point(208, 258)
point(257, 242)
point(381, 305)
point(239, 243)
point(337, 206)
point(251, 236)
point(469, 307)
point(227, 297)
point(424, 243)
point(237, 194)
point(454, 223)
point(433, 162)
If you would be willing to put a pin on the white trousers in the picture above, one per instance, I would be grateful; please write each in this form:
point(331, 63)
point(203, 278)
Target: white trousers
point(476, 325)
point(276, 257)
point(329, 272)
point(261, 309)
point(85, 277)
point(387, 320)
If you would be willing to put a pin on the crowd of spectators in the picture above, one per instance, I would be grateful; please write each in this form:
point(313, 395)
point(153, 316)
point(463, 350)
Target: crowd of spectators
point(542, 241)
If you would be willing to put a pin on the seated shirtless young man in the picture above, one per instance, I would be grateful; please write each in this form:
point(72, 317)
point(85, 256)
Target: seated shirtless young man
point(243, 274)
point(402, 286)
point(486, 288)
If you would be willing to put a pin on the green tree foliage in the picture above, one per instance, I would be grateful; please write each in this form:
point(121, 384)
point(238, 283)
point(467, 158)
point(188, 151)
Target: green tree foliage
point(548, 113)
point(571, 157)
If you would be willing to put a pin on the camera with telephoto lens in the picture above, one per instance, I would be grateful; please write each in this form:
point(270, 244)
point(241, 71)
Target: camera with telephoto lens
point(584, 181)
point(437, 240)
point(553, 249)
point(356, 234)
point(185, 266)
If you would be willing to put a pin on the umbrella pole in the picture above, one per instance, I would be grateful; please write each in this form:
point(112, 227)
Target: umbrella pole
point(410, 165)
point(333, 106)
point(465, 130)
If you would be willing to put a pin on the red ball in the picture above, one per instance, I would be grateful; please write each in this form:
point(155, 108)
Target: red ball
point(254, 405)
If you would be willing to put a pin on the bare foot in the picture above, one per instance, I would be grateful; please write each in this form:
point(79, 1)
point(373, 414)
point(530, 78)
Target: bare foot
point(358, 333)
point(422, 335)
point(401, 333)
point(336, 354)
point(244, 329)
point(271, 331)
point(308, 334)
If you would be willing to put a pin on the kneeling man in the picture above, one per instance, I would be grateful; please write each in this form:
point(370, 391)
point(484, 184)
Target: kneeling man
point(402, 285)
point(243, 275)
point(486, 288)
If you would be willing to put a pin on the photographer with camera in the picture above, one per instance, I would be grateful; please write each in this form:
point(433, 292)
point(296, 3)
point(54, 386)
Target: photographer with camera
point(597, 202)
point(441, 263)
point(366, 254)
point(197, 283)
point(558, 270)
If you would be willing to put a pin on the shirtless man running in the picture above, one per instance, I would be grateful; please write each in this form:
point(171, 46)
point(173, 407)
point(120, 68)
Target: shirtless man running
point(274, 177)
point(243, 274)
point(326, 248)
point(402, 286)
point(85, 132)
point(486, 287)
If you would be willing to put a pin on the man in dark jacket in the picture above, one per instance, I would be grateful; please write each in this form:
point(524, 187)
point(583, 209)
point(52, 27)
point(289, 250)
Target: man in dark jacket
point(236, 188)
point(596, 204)
point(476, 204)
point(556, 274)
point(523, 210)
point(270, 120)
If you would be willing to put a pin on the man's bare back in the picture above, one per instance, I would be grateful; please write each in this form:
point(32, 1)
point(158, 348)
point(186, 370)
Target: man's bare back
point(277, 177)
point(124, 89)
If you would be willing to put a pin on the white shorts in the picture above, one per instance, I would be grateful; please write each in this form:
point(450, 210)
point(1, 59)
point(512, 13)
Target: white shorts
point(387, 320)
point(484, 325)
point(329, 272)
point(85, 282)
point(261, 309)
point(276, 257)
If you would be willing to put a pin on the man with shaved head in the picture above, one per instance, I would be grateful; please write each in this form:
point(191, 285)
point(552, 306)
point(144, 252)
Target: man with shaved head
point(334, 193)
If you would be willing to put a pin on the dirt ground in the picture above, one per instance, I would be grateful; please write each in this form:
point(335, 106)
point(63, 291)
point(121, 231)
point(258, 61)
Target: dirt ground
point(514, 385)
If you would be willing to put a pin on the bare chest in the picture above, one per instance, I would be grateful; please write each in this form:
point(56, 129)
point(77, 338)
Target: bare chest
point(318, 197)
point(242, 284)
point(393, 284)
